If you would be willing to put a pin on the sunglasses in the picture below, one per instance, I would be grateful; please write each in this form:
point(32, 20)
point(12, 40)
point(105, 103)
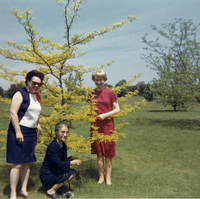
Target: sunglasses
point(35, 83)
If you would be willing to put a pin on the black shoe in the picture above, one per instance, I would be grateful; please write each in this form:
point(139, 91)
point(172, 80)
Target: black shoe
point(68, 194)
point(53, 196)
point(60, 191)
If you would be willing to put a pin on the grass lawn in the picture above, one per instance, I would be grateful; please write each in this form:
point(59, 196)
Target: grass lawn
point(159, 158)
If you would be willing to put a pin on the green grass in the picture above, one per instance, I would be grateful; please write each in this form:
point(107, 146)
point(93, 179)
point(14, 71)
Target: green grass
point(160, 158)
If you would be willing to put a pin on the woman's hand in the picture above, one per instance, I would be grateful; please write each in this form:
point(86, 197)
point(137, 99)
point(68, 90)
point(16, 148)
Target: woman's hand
point(20, 137)
point(39, 128)
point(102, 116)
point(76, 162)
point(116, 109)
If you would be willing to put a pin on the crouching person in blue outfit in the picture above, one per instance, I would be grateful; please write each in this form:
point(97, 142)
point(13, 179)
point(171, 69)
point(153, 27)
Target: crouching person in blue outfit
point(56, 169)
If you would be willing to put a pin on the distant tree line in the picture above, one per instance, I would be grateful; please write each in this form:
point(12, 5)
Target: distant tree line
point(140, 87)
point(11, 90)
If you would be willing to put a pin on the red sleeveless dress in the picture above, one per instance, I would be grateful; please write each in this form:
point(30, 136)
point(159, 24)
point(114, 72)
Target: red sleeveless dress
point(104, 100)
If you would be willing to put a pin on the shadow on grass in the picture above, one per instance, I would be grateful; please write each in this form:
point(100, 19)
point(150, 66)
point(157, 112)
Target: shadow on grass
point(6, 189)
point(166, 111)
point(183, 124)
point(88, 171)
point(33, 179)
point(189, 124)
point(4, 173)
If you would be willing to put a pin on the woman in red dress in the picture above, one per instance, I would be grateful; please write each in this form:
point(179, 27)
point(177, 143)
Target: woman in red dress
point(107, 105)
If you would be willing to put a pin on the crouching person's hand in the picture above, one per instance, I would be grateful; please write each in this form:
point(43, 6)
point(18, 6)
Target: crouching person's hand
point(76, 162)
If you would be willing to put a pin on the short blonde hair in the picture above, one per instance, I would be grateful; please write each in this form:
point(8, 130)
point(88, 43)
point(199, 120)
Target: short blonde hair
point(99, 73)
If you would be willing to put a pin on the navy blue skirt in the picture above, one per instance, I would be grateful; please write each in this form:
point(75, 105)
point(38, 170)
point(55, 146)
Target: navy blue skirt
point(49, 180)
point(21, 153)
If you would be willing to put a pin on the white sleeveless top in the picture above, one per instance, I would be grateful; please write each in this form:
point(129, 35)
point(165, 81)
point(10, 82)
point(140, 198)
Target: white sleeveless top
point(32, 113)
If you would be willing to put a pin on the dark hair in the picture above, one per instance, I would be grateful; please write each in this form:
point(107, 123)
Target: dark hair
point(60, 125)
point(32, 73)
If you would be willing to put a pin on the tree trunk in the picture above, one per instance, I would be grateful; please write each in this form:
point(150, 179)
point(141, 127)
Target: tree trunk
point(174, 106)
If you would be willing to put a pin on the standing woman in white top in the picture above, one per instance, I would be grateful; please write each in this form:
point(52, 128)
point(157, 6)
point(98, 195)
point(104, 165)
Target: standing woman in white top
point(22, 134)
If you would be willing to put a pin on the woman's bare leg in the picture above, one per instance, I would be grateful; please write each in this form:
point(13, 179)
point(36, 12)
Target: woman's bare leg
point(57, 186)
point(54, 188)
point(14, 178)
point(100, 164)
point(108, 170)
point(25, 172)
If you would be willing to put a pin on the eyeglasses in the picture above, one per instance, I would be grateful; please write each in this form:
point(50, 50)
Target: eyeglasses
point(35, 83)
point(63, 132)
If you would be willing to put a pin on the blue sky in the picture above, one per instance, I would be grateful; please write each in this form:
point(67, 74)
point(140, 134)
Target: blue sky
point(123, 45)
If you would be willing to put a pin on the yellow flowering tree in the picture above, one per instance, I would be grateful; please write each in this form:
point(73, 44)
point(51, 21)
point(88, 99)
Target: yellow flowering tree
point(63, 91)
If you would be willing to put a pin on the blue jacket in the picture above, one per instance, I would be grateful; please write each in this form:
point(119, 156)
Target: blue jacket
point(54, 158)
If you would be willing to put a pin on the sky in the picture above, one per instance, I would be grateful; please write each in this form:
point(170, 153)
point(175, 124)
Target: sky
point(124, 45)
